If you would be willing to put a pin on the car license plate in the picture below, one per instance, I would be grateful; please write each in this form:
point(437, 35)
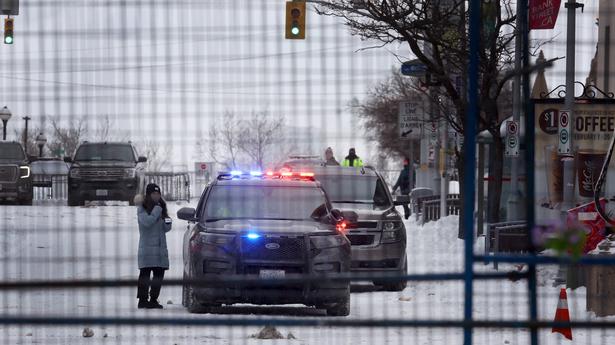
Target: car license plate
point(272, 274)
point(102, 192)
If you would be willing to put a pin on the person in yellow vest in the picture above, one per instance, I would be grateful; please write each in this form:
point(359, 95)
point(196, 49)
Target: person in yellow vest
point(352, 160)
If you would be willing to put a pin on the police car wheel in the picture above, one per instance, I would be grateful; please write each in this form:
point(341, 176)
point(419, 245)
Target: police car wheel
point(184, 293)
point(194, 306)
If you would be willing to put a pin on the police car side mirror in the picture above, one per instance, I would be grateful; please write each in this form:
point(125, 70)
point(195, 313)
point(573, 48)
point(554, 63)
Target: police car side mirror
point(142, 160)
point(402, 200)
point(188, 214)
point(350, 216)
point(68, 160)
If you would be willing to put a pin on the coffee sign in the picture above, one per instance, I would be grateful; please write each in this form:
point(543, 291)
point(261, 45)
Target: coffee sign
point(586, 134)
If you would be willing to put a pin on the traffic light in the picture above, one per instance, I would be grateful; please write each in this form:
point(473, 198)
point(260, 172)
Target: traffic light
point(295, 20)
point(8, 31)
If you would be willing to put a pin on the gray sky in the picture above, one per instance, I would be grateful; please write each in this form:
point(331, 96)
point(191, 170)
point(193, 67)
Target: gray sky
point(166, 69)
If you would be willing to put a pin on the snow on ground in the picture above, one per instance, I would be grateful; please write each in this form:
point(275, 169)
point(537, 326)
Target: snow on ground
point(57, 242)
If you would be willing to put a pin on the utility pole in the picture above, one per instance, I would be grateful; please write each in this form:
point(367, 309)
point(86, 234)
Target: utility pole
point(25, 135)
point(512, 209)
point(568, 173)
point(444, 146)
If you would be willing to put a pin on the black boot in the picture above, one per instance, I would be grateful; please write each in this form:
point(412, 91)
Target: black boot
point(153, 304)
point(143, 303)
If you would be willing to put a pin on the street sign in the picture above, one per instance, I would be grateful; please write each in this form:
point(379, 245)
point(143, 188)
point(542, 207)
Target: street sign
point(512, 139)
point(543, 13)
point(203, 170)
point(564, 132)
point(410, 121)
point(414, 68)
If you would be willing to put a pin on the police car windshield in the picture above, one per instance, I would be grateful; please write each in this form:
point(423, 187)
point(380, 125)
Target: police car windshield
point(355, 189)
point(263, 202)
point(105, 152)
point(11, 151)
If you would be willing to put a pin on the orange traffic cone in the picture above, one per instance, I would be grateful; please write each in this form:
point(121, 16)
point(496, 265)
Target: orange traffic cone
point(562, 315)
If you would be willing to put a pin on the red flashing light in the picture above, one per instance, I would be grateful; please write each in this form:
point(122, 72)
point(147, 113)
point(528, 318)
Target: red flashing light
point(341, 227)
point(287, 174)
point(269, 173)
point(306, 174)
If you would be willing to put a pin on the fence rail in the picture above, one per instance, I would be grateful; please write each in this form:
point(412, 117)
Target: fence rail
point(175, 186)
point(428, 207)
point(50, 187)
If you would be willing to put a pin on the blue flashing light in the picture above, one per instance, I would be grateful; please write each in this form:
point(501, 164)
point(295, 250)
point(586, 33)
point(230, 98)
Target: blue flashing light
point(256, 173)
point(253, 236)
point(235, 173)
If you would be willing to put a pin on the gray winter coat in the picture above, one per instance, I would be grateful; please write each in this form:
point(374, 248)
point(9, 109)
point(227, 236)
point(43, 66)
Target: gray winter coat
point(152, 238)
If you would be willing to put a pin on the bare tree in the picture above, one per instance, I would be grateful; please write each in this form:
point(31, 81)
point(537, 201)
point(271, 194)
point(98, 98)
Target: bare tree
point(31, 147)
point(158, 157)
point(66, 139)
point(235, 142)
point(436, 34)
point(224, 141)
point(258, 135)
point(102, 129)
point(379, 112)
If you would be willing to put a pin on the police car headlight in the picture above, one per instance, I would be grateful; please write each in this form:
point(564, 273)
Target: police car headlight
point(324, 242)
point(215, 239)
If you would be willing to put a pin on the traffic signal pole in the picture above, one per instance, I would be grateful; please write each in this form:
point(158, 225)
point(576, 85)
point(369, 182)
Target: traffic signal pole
point(568, 163)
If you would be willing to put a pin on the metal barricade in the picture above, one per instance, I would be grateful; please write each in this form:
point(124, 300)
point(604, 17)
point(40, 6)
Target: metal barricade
point(507, 237)
point(428, 208)
point(50, 187)
point(175, 186)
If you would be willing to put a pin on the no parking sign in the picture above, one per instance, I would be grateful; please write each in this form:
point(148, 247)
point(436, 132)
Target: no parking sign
point(512, 139)
point(564, 133)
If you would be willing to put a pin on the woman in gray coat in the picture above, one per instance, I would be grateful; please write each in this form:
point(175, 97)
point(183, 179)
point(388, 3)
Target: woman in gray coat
point(154, 223)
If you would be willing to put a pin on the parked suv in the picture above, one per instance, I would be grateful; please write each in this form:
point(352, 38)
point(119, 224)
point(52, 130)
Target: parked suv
point(15, 175)
point(378, 236)
point(104, 171)
point(265, 228)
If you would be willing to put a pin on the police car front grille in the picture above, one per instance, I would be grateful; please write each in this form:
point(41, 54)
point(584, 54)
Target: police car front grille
point(8, 173)
point(274, 248)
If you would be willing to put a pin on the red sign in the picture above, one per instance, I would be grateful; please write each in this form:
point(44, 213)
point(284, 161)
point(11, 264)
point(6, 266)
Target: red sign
point(543, 13)
point(203, 166)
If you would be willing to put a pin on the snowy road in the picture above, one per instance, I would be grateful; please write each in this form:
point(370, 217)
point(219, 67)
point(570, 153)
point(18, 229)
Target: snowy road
point(58, 242)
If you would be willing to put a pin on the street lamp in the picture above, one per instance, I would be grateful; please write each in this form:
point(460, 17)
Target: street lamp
point(41, 140)
point(5, 116)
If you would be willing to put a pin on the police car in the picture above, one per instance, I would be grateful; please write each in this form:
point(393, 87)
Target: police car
point(261, 228)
